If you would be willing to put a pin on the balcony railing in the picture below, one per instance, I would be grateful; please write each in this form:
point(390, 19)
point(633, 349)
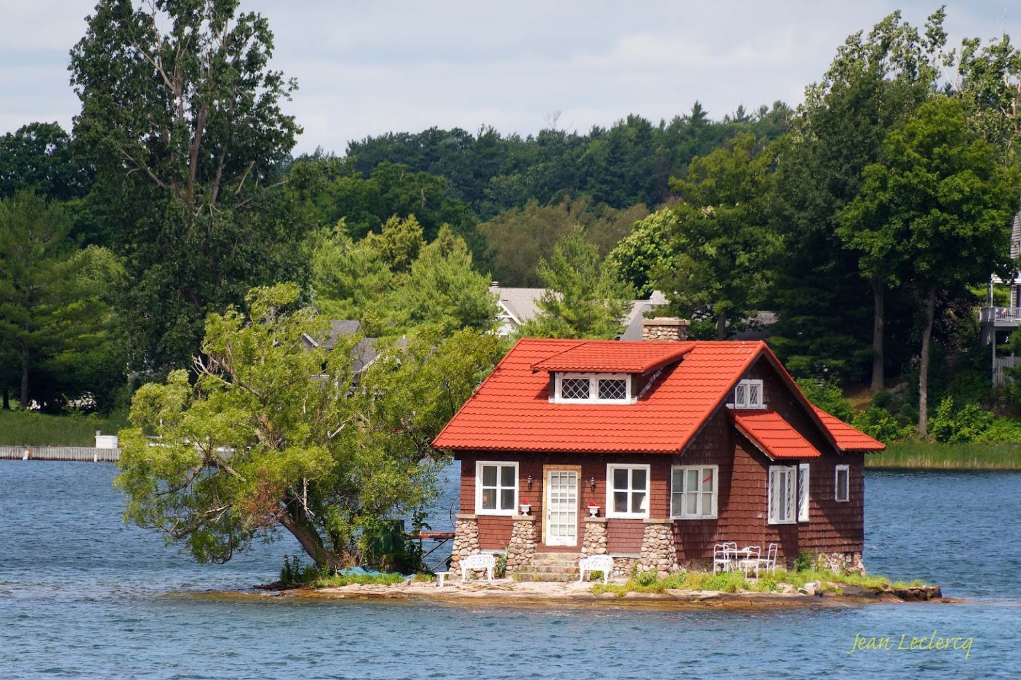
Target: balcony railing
point(1006, 315)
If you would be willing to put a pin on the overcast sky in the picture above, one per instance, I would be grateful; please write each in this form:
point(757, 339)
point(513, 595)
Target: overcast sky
point(365, 68)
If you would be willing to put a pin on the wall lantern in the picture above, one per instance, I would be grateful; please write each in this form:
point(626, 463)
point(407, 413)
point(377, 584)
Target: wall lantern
point(529, 482)
point(592, 483)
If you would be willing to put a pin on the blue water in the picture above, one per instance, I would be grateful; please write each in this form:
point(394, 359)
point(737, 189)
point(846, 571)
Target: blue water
point(84, 596)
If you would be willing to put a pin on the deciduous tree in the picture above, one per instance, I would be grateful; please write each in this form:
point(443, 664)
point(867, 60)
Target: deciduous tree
point(272, 436)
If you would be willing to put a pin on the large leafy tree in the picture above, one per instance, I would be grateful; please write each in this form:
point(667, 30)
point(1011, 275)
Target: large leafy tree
point(393, 282)
point(583, 298)
point(271, 436)
point(37, 158)
point(719, 236)
point(55, 320)
point(874, 83)
point(181, 122)
point(947, 203)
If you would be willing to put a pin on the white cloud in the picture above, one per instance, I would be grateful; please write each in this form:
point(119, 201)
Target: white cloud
point(365, 68)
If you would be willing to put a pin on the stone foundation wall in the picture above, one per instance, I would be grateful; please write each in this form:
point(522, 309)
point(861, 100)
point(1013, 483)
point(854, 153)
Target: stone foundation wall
point(658, 553)
point(623, 566)
point(466, 542)
point(522, 544)
point(841, 563)
point(594, 542)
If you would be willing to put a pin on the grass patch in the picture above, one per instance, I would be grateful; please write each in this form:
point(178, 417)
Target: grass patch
point(935, 456)
point(338, 580)
point(26, 428)
point(733, 582)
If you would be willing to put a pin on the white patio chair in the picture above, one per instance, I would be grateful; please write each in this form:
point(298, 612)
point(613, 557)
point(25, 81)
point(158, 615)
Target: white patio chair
point(603, 563)
point(478, 561)
point(750, 561)
point(769, 561)
point(724, 555)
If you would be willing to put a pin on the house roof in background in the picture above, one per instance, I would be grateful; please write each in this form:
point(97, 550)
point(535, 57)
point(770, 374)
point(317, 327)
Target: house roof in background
point(773, 435)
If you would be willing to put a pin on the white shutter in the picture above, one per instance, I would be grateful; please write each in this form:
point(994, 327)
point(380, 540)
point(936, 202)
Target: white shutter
point(791, 495)
point(774, 495)
point(803, 492)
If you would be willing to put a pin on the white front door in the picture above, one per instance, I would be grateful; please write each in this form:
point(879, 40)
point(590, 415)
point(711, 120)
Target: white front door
point(562, 507)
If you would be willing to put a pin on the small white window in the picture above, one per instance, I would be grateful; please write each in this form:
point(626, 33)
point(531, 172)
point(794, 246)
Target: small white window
point(843, 483)
point(496, 488)
point(803, 492)
point(591, 388)
point(782, 494)
point(693, 491)
point(627, 491)
point(748, 394)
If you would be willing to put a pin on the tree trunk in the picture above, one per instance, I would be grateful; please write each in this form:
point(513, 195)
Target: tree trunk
point(923, 369)
point(24, 381)
point(312, 543)
point(721, 326)
point(878, 296)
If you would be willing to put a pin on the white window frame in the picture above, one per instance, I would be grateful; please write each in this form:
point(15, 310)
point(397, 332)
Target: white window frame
point(804, 492)
point(683, 470)
point(847, 483)
point(593, 389)
point(479, 510)
point(741, 394)
point(610, 512)
point(788, 512)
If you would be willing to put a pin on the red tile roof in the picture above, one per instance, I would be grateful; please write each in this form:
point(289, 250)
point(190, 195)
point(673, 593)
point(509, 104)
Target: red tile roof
point(511, 410)
point(847, 437)
point(773, 435)
point(615, 357)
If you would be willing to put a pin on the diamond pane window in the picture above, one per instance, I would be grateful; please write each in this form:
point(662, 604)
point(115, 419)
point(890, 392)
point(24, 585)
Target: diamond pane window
point(748, 394)
point(613, 389)
point(575, 388)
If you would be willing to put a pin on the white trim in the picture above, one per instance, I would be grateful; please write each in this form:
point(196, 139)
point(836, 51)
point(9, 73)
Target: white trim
point(548, 505)
point(847, 483)
point(593, 389)
point(781, 499)
point(742, 391)
point(610, 490)
point(683, 469)
point(479, 510)
point(804, 492)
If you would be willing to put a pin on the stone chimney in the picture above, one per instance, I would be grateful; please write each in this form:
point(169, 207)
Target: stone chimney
point(665, 328)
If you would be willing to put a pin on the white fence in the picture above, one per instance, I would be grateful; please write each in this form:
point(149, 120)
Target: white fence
point(1000, 363)
point(87, 454)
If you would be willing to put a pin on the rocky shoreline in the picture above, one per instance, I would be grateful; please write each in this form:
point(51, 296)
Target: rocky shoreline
point(514, 593)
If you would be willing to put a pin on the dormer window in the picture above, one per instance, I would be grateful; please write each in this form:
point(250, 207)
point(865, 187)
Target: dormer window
point(748, 394)
point(589, 388)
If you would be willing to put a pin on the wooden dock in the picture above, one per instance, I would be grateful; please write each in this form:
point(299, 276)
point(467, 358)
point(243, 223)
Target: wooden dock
point(83, 454)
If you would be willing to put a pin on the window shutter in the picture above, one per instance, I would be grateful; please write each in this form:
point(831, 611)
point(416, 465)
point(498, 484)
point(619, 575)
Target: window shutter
point(803, 492)
point(790, 496)
point(774, 495)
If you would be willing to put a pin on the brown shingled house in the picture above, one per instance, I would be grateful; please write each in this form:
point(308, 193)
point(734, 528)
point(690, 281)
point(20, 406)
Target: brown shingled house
point(681, 445)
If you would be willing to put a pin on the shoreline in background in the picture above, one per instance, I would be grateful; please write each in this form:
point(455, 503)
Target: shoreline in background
point(935, 456)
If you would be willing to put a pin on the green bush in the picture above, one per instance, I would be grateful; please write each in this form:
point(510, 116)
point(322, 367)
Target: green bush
point(881, 424)
point(961, 426)
point(1001, 431)
point(804, 562)
point(827, 396)
point(297, 573)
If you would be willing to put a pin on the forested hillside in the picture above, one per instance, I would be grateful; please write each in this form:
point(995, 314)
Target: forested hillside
point(867, 220)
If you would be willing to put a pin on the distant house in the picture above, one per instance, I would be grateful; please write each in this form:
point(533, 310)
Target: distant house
point(364, 353)
point(680, 444)
point(518, 305)
point(997, 323)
